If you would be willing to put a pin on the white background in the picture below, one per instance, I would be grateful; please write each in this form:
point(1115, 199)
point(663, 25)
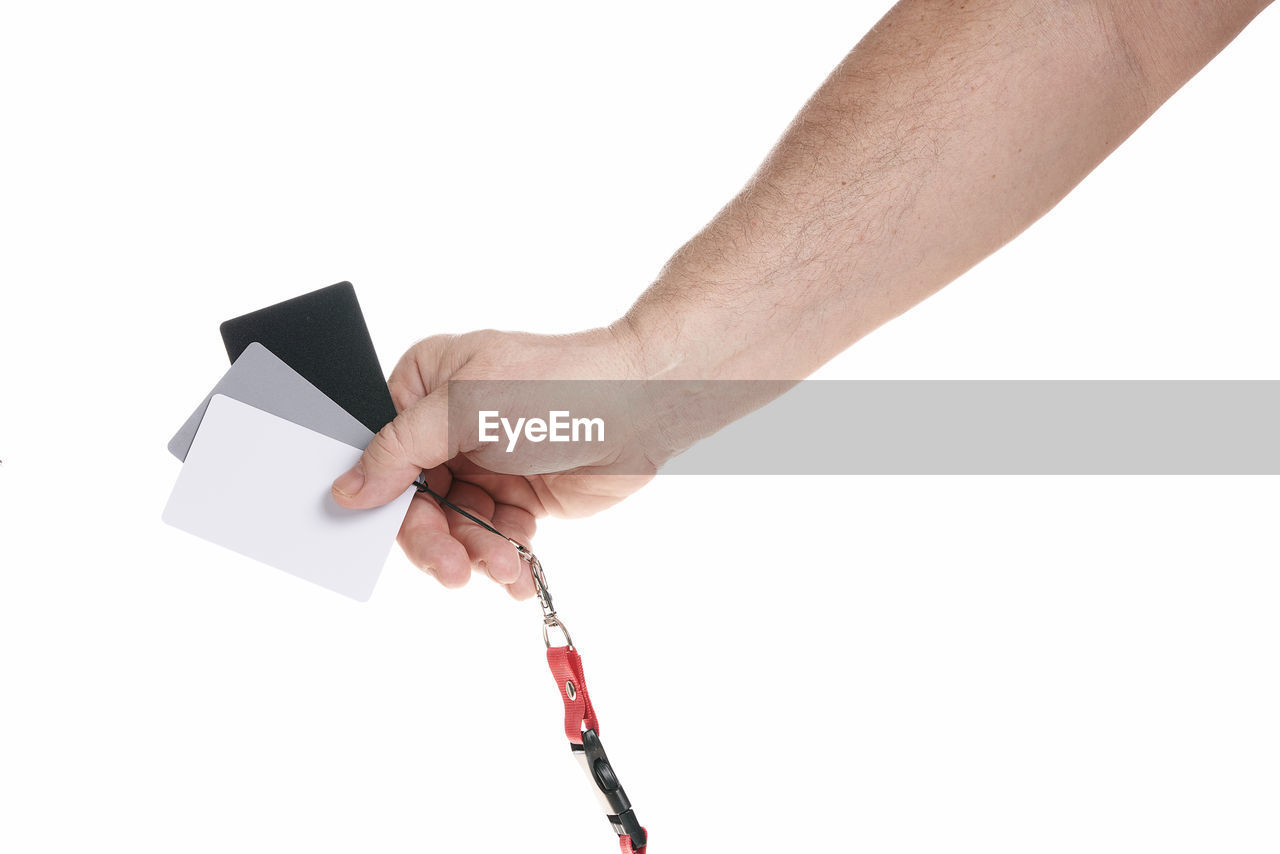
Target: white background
point(870, 664)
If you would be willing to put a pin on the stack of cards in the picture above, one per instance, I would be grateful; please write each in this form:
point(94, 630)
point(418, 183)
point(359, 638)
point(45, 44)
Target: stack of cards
point(303, 397)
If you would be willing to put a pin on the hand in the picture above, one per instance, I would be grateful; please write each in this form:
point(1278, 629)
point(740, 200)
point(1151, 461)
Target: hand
point(511, 490)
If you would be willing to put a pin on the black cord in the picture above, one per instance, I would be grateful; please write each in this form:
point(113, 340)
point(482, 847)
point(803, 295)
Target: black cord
point(422, 487)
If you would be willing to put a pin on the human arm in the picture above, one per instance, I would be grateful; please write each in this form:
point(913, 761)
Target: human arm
point(949, 129)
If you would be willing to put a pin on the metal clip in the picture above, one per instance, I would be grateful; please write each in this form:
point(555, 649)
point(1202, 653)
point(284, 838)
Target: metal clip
point(617, 808)
point(539, 581)
point(549, 618)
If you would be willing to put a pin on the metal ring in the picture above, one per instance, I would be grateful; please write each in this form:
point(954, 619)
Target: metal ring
point(555, 622)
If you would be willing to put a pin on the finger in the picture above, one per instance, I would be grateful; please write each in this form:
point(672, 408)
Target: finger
point(522, 588)
point(489, 552)
point(520, 525)
point(428, 545)
point(417, 439)
point(505, 488)
point(516, 522)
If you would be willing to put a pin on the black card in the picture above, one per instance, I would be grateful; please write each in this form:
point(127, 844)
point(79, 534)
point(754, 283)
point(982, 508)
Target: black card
point(321, 335)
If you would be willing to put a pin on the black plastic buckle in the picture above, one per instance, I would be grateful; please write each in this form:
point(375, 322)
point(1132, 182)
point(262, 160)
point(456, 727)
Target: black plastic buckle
point(616, 806)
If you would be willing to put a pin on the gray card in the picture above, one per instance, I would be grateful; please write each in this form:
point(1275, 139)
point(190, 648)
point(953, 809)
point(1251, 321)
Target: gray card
point(264, 382)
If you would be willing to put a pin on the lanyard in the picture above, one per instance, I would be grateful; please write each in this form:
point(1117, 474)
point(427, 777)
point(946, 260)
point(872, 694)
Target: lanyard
point(580, 724)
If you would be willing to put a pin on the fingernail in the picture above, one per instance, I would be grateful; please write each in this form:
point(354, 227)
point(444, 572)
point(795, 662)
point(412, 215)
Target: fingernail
point(349, 483)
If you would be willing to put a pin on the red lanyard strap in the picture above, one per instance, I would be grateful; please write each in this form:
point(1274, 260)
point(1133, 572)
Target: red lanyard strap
point(582, 730)
point(580, 724)
point(566, 667)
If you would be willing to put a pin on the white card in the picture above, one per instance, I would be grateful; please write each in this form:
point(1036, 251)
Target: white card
point(259, 485)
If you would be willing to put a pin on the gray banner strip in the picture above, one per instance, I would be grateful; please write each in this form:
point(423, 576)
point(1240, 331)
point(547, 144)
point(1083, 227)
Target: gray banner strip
point(1002, 427)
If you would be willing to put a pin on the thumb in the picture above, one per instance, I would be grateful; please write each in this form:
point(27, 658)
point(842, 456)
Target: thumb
point(417, 439)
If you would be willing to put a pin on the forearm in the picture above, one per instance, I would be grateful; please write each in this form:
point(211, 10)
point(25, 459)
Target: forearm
point(947, 131)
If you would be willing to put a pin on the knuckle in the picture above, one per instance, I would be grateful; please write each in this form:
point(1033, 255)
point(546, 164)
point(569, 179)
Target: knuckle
point(391, 447)
point(402, 393)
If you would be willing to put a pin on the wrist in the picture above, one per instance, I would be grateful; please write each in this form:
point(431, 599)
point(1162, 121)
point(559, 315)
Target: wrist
point(649, 336)
point(693, 378)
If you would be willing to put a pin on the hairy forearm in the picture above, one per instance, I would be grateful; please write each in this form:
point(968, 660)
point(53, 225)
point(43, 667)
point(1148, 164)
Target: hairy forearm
point(949, 129)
